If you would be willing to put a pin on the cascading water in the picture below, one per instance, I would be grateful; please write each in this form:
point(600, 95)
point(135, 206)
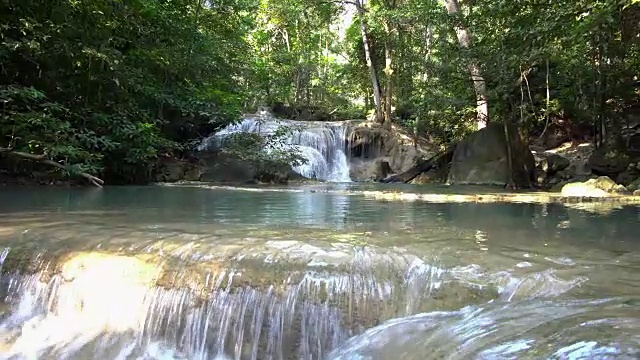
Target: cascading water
point(150, 283)
point(105, 306)
point(278, 300)
point(322, 144)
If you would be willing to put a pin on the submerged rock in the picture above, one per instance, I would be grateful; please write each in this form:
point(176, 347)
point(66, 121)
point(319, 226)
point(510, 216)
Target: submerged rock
point(481, 159)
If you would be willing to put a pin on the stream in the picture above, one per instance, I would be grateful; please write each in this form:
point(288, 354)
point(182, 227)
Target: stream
point(311, 272)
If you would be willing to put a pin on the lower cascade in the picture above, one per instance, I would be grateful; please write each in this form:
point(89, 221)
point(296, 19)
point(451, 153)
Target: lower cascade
point(240, 279)
point(280, 300)
point(103, 305)
point(322, 144)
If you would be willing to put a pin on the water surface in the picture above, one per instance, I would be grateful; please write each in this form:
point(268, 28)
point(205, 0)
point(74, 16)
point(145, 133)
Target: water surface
point(311, 272)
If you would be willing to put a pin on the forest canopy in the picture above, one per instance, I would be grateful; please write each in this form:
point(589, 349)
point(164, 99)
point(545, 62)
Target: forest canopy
point(104, 87)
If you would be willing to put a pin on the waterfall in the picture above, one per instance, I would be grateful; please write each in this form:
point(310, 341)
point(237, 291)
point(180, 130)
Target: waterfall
point(106, 306)
point(322, 144)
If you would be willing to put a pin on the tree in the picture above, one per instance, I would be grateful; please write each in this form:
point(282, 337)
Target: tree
point(103, 87)
point(375, 84)
point(479, 84)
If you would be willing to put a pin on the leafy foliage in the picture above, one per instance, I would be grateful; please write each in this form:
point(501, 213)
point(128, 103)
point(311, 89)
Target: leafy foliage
point(591, 49)
point(109, 84)
point(271, 153)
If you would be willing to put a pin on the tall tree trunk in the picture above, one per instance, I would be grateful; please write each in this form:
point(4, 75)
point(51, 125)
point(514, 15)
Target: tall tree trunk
point(375, 85)
point(479, 83)
point(388, 71)
point(427, 52)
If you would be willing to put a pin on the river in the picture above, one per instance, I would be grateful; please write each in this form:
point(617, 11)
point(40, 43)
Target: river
point(311, 272)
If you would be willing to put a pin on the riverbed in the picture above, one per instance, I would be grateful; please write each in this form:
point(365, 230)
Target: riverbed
point(312, 272)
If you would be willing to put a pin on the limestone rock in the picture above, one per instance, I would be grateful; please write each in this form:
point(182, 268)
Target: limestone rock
point(369, 143)
point(608, 161)
point(627, 177)
point(172, 170)
point(481, 158)
point(552, 163)
point(634, 185)
point(636, 193)
point(602, 186)
point(374, 170)
point(383, 169)
point(551, 168)
point(431, 176)
point(222, 168)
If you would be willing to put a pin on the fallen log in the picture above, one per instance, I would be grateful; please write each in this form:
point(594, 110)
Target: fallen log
point(423, 165)
point(43, 159)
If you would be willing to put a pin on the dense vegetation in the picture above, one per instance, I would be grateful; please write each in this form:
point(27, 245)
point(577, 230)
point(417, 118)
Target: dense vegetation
point(105, 87)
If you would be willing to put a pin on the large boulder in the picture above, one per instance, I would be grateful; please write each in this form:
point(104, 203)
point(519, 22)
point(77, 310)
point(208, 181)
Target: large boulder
point(481, 158)
point(169, 169)
point(224, 168)
point(602, 186)
point(608, 161)
point(549, 167)
point(375, 170)
point(630, 175)
point(369, 144)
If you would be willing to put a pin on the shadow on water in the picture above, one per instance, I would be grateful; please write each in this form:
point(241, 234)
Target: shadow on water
point(301, 273)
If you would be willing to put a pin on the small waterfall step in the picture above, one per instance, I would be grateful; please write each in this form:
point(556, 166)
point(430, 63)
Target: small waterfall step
point(322, 144)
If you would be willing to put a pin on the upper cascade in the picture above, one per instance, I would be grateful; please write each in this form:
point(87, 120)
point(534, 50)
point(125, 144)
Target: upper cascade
point(321, 143)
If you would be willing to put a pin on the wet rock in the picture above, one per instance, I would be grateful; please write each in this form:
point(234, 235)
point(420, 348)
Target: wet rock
point(383, 169)
point(602, 186)
point(278, 176)
point(171, 170)
point(221, 168)
point(374, 170)
point(368, 144)
point(481, 158)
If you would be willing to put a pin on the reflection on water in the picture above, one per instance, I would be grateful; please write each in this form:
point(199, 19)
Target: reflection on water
point(190, 273)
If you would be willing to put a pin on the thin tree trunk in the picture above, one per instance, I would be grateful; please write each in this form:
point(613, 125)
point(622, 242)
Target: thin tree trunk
point(548, 103)
point(479, 83)
point(427, 52)
point(375, 85)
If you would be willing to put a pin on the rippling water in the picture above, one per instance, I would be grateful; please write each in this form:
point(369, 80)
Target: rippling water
point(306, 273)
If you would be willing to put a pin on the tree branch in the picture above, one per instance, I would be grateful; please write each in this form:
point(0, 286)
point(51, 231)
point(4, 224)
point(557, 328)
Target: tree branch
point(43, 159)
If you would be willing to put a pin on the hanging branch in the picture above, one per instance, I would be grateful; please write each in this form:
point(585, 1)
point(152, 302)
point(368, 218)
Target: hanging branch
point(43, 159)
